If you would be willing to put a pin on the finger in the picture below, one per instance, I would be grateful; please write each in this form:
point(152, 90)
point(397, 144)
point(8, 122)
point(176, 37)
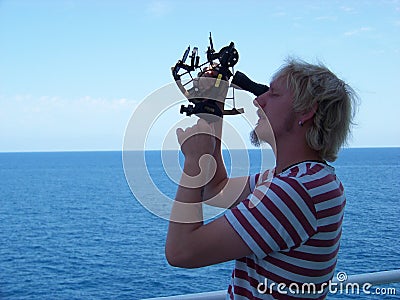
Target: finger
point(180, 135)
point(205, 127)
point(212, 130)
point(203, 124)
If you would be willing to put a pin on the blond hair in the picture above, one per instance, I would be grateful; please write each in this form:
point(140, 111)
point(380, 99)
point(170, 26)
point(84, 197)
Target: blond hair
point(335, 101)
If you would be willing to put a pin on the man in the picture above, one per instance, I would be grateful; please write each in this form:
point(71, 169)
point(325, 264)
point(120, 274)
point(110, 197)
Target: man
point(283, 226)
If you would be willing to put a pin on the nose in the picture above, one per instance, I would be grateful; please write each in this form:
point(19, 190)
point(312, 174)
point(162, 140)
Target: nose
point(259, 102)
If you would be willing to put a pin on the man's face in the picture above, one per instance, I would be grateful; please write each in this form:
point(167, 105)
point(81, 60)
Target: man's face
point(275, 112)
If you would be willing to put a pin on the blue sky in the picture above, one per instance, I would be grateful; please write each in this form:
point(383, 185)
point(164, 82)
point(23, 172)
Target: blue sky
point(73, 72)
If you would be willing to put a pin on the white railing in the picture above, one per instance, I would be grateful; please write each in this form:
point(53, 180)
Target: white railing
point(375, 278)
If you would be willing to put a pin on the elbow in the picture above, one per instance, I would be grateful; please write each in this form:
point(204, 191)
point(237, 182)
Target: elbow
point(177, 257)
point(170, 256)
point(174, 260)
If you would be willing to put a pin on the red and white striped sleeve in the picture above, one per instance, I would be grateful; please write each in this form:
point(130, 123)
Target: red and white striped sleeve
point(278, 215)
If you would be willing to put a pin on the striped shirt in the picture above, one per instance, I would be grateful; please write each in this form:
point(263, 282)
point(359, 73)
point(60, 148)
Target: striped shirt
point(292, 223)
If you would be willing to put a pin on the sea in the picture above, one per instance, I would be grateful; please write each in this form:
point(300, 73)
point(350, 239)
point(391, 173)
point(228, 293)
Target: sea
point(72, 228)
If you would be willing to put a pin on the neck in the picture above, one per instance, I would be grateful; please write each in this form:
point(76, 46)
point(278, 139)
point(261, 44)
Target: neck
point(290, 153)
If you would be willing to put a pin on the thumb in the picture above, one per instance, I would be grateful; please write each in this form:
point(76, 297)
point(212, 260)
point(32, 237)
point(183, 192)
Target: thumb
point(179, 135)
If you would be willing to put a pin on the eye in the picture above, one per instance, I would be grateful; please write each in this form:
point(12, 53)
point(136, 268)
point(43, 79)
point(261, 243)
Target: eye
point(274, 94)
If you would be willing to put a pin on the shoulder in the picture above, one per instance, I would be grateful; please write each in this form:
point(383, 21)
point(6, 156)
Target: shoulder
point(318, 186)
point(310, 174)
point(299, 185)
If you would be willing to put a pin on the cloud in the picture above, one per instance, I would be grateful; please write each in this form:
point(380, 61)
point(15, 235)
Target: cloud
point(347, 9)
point(280, 14)
point(357, 31)
point(21, 105)
point(159, 8)
point(25, 120)
point(326, 18)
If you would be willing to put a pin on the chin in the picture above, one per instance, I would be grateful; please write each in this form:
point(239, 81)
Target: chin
point(255, 141)
point(261, 135)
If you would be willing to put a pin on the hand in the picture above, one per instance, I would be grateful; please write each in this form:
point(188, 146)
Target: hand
point(197, 144)
point(197, 140)
point(212, 88)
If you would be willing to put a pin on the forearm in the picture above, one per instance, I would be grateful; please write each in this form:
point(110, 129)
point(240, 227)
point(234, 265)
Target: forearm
point(187, 206)
point(220, 177)
point(186, 214)
point(222, 191)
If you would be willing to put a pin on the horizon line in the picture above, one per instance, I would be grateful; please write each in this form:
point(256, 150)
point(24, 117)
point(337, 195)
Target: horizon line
point(145, 150)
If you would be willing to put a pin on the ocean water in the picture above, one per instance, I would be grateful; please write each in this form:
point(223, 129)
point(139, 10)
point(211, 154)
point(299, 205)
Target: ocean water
point(70, 227)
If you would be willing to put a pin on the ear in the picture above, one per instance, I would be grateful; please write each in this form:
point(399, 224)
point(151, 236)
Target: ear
point(305, 116)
